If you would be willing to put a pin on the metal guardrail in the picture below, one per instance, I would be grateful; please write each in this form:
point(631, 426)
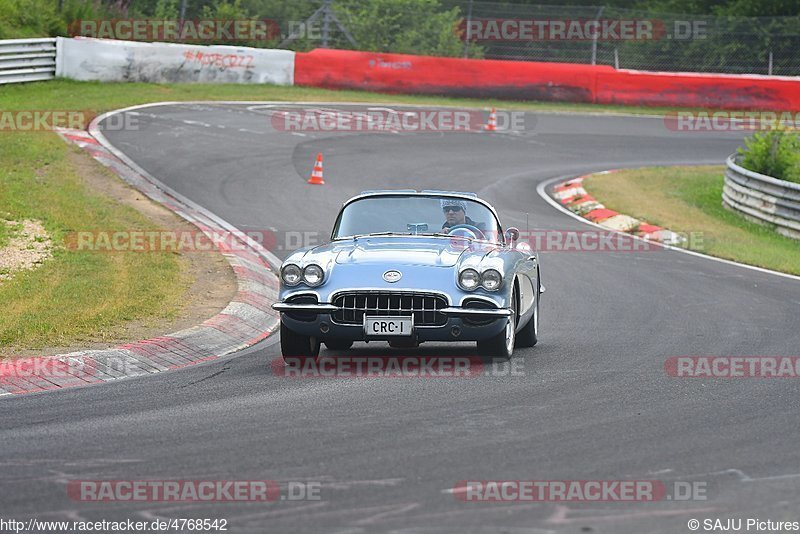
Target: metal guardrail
point(27, 60)
point(762, 198)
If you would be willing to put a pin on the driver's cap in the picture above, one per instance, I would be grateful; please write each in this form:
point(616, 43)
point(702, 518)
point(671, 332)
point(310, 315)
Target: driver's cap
point(446, 202)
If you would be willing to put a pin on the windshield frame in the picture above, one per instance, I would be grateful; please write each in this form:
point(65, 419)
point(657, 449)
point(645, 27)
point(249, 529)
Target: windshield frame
point(406, 194)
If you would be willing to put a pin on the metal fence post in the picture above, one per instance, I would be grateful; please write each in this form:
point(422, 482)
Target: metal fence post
point(594, 38)
point(326, 23)
point(469, 32)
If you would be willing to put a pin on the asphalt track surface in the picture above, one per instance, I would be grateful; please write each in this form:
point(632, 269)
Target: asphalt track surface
point(592, 402)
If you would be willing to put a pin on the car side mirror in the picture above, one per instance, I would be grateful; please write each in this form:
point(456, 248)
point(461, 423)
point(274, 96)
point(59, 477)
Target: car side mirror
point(512, 234)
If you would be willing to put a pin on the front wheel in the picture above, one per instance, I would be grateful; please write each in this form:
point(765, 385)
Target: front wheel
point(297, 346)
point(502, 345)
point(528, 335)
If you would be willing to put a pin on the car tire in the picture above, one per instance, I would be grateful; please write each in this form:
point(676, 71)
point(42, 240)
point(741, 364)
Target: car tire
point(528, 335)
point(298, 346)
point(501, 346)
point(338, 344)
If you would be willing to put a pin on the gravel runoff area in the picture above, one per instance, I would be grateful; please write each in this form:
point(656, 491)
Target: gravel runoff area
point(28, 246)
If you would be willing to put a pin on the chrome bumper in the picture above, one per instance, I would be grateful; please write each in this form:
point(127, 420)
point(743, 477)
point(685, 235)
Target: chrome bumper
point(476, 312)
point(318, 308)
point(327, 309)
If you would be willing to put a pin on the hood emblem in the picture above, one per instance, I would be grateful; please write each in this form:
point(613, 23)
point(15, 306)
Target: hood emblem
point(392, 276)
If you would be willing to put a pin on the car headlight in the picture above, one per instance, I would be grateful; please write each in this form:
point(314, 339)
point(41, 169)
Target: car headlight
point(491, 280)
point(469, 279)
point(291, 274)
point(313, 275)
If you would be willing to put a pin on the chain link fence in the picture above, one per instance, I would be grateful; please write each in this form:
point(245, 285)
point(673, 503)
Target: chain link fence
point(676, 42)
point(464, 28)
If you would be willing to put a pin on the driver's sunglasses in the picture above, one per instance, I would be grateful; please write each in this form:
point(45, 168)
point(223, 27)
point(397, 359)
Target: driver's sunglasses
point(452, 208)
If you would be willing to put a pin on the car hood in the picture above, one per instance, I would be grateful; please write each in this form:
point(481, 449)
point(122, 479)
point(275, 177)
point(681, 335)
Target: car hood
point(396, 251)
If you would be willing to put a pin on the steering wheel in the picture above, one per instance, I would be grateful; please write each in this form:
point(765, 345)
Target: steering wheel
point(474, 229)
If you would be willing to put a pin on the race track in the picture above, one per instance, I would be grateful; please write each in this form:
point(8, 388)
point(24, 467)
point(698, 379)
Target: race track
point(593, 401)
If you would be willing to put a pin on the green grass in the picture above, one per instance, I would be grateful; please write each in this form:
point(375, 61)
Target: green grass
point(96, 96)
point(76, 296)
point(5, 232)
point(689, 199)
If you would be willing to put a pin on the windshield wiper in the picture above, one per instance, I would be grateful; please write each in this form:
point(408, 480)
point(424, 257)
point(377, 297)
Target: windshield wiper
point(440, 234)
point(379, 234)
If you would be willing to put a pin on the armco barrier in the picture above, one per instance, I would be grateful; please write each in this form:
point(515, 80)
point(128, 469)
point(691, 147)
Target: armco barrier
point(27, 60)
point(129, 61)
point(762, 198)
point(400, 73)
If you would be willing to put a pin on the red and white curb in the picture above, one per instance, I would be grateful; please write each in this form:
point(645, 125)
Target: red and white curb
point(574, 197)
point(246, 320)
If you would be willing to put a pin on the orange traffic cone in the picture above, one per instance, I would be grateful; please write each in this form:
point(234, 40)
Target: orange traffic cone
point(491, 126)
point(316, 174)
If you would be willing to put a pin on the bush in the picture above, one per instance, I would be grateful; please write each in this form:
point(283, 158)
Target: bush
point(775, 153)
point(21, 19)
point(24, 19)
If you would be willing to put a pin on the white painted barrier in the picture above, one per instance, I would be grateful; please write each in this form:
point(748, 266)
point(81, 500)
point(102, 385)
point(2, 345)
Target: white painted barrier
point(130, 61)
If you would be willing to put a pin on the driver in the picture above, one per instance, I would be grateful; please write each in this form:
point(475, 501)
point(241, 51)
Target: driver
point(455, 213)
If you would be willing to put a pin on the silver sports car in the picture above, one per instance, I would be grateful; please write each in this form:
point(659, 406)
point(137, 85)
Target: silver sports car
point(407, 267)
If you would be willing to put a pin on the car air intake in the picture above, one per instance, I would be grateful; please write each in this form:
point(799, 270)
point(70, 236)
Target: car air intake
point(303, 316)
point(423, 306)
point(479, 305)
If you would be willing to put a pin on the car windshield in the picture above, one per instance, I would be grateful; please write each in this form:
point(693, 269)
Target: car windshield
point(416, 215)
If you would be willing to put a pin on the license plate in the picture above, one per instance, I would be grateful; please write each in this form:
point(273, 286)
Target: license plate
point(388, 326)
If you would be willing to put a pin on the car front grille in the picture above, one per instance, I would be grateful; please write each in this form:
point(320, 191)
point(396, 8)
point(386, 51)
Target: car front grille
point(423, 306)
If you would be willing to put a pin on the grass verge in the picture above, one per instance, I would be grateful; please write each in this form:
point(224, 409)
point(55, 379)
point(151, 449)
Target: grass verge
point(97, 96)
point(75, 296)
point(5, 231)
point(689, 199)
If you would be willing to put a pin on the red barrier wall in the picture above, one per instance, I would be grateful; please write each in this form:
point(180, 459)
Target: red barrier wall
point(720, 91)
point(399, 73)
point(524, 80)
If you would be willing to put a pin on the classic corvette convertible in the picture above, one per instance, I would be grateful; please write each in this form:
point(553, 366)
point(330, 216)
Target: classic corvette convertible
point(408, 267)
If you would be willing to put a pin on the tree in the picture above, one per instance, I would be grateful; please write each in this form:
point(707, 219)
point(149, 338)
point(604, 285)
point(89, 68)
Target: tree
point(404, 26)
